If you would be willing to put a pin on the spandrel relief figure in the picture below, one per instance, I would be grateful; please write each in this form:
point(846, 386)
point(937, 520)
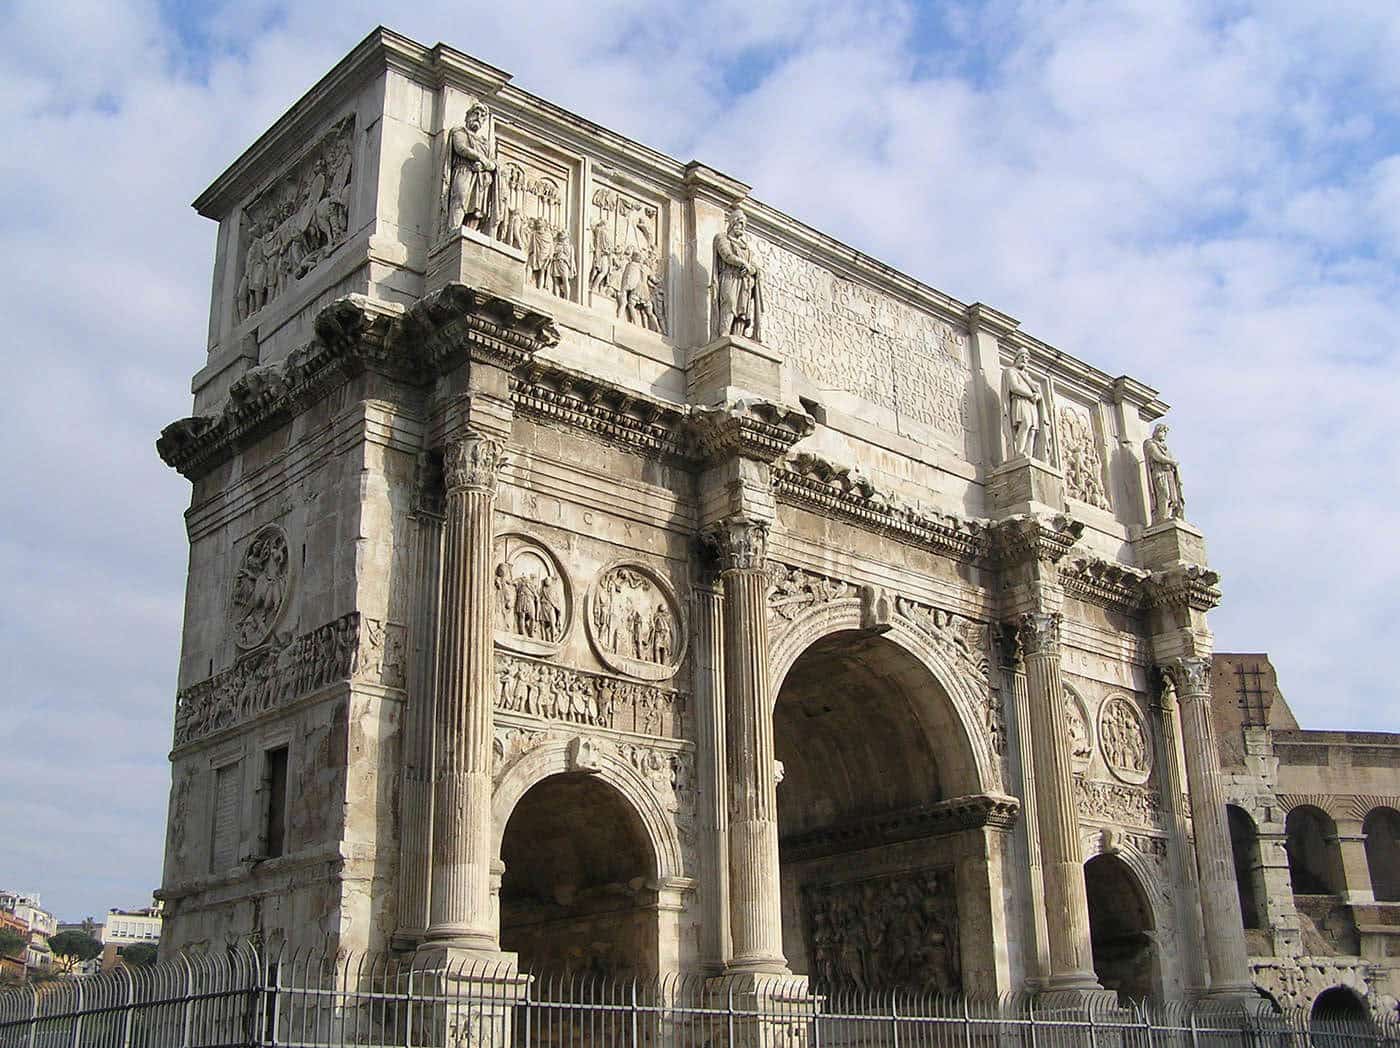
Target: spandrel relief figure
point(1163, 477)
point(471, 188)
point(1025, 408)
point(738, 281)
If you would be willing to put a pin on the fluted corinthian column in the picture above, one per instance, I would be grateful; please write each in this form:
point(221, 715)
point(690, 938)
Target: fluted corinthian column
point(1066, 906)
point(1215, 868)
point(1014, 681)
point(1183, 867)
point(755, 900)
point(460, 909)
point(416, 798)
point(709, 657)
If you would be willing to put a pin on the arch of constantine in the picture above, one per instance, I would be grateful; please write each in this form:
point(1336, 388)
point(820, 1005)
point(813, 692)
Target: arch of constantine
point(592, 565)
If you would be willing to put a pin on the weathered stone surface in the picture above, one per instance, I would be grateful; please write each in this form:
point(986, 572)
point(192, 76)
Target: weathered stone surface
point(601, 636)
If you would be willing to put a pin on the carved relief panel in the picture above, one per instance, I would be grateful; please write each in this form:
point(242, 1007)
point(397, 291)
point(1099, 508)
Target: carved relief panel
point(296, 222)
point(1081, 457)
point(897, 932)
point(557, 693)
point(534, 601)
point(848, 336)
point(635, 622)
point(260, 587)
point(1123, 740)
point(1080, 729)
point(627, 255)
point(536, 215)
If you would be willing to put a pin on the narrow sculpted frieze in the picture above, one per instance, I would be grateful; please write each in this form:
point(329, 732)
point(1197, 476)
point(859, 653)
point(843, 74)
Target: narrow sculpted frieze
point(352, 647)
point(1118, 802)
point(296, 222)
point(559, 693)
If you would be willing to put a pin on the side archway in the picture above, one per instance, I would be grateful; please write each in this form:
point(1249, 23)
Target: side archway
point(590, 866)
point(1122, 929)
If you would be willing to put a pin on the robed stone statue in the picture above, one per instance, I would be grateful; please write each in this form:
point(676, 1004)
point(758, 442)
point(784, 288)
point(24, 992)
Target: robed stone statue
point(738, 282)
point(471, 186)
point(1163, 477)
point(1025, 408)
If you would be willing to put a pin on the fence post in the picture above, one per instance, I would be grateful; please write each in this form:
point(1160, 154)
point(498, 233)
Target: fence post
point(1030, 1016)
point(33, 1017)
point(130, 1010)
point(967, 1023)
point(894, 1019)
point(729, 1005)
point(188, 1019)
point(635, 1042)
point(77, 1012)
point(1195, 1043)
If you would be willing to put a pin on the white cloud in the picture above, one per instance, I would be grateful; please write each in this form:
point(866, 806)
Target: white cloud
point(1204, 196)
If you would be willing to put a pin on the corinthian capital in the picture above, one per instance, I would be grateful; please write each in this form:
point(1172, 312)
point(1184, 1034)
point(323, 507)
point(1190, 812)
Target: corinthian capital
point(1039, 632)
point(740, 542)
point(1189, 675)
point(473, 463)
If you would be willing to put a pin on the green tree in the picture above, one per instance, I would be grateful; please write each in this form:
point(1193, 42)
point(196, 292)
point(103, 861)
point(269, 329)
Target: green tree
point(140, 954)
point(12, 943)
point(72, 947)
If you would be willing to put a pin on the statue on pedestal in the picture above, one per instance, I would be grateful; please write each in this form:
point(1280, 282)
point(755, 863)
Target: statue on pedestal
point(471, 189)
point(737, 281)
point(1163, 477)
point(1025, 408)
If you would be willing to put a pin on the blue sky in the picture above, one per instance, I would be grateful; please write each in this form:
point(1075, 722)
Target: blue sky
point(1203, 195)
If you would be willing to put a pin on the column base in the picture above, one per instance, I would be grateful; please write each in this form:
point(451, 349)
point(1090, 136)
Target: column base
point(756, 967)
point(1240, 998)
point(775, 1011)
point(468, 997)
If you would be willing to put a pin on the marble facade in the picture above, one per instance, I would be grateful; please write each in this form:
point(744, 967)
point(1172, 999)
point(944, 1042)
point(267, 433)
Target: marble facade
point(625, 575)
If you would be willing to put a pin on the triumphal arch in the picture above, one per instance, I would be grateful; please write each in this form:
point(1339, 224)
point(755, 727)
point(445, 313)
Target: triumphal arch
point(594, 566)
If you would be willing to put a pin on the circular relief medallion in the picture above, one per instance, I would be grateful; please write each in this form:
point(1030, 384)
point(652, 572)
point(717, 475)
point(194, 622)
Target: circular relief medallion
point(1123, 740)
point(534, 602)
point(260, 587)
point(635, 622)
point(1081, 739)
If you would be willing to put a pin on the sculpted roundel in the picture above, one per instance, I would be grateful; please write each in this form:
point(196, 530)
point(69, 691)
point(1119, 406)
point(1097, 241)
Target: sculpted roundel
point(534, 601)
point(635, 622)
point(1081, 738)
point(1123, 740)
point(260, 587)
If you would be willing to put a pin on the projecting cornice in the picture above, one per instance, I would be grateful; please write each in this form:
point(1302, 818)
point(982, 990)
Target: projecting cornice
point(814, 483)
point(1183, 586)
point(1024, 538)
point(992, 810)
point(354, 335)
point(1104, 583)
point(756, 429)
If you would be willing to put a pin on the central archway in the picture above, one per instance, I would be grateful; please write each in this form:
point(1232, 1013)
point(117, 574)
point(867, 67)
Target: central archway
point(885, 884)
point(1121, 930)
point(578, 890)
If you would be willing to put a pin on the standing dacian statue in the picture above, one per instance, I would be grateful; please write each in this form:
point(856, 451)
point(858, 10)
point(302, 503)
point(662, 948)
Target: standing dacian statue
point(1024, 406)
point(738, 287)
point(1163, 477)
point(471, 189)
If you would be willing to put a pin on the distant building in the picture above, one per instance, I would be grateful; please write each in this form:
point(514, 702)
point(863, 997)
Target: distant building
point(1314, 821)
point(25, 907)
point(127, 927)
point(13, 965)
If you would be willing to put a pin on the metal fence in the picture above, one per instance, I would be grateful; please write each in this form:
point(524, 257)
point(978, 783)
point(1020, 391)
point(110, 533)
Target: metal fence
point(243, 997)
